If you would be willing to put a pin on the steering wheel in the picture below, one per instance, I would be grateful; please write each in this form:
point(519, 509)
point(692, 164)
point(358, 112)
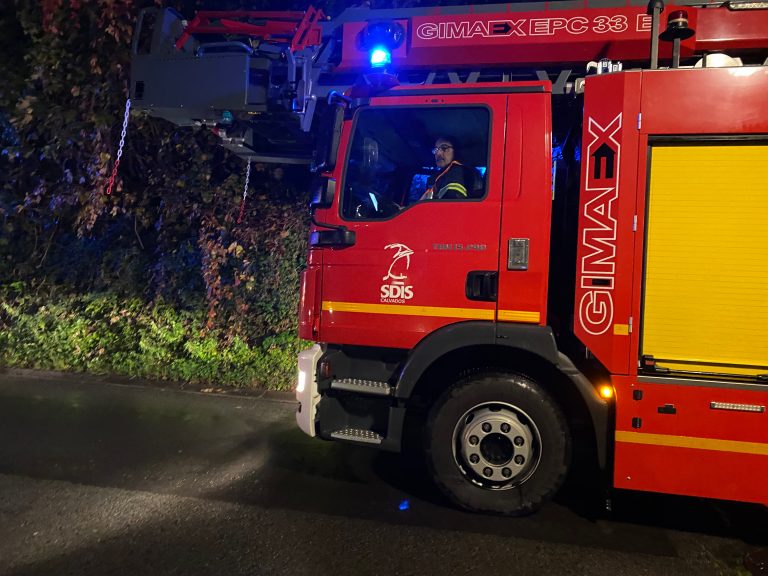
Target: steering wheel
point(374, 205)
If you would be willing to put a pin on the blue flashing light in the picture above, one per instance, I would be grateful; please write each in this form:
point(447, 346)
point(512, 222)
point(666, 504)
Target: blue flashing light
point(404, 505)
point(380, 56)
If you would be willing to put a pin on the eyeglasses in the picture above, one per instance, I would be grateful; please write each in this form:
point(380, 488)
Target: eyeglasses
point(442, 148)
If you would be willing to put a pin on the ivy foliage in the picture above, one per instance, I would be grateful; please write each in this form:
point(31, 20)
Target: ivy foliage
point(159, 278)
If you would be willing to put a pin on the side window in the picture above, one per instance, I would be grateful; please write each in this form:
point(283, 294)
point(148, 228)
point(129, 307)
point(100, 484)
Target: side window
point(400, 156)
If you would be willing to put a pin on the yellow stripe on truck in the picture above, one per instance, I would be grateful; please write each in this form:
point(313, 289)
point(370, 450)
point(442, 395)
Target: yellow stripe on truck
point(407, 310)
point(433, 311)
point(693, 442)
point(519, 316)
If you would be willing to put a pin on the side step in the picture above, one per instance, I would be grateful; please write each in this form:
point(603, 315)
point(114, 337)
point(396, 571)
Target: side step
point(357, 435)
point(369, 387)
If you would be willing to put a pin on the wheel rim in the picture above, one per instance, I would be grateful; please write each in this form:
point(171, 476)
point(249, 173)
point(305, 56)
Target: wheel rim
point(496, 446)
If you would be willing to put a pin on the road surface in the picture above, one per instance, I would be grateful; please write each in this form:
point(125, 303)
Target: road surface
point(101, 478)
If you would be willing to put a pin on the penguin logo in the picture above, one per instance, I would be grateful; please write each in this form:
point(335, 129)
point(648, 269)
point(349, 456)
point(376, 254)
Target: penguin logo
point(402, 253)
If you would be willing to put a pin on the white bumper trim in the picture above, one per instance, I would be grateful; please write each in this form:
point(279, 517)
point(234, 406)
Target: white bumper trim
point(306, 389)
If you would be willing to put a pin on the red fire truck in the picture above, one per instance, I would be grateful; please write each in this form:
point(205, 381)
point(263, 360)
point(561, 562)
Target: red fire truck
point(600, 285)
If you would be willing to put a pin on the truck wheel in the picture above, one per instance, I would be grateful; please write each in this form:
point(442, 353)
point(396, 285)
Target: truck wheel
point(497, 443)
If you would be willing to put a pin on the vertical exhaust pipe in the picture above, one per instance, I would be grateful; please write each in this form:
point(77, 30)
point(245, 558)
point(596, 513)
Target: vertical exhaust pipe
point(655, 8)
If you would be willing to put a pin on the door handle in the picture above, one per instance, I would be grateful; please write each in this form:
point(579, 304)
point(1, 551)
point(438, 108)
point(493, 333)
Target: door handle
point(482, 285)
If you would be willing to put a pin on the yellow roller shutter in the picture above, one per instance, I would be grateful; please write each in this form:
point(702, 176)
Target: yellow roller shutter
point(706, 276)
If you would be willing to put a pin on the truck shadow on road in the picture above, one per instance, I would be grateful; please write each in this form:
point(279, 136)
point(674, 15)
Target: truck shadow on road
point(363, 483)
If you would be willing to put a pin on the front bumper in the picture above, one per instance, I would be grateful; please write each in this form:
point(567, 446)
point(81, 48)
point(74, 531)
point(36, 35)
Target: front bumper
point(306, 389)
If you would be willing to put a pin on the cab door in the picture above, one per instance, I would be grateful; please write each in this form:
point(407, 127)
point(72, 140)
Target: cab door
point(527, 207)
point(414, 265)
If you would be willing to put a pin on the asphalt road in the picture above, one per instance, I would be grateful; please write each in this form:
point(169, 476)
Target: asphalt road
point(97, 478)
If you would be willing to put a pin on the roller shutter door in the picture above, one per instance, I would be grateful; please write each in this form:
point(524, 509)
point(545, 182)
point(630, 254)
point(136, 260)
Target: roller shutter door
point(705, 299)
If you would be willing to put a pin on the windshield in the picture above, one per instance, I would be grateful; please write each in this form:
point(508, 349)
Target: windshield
point(403, 155)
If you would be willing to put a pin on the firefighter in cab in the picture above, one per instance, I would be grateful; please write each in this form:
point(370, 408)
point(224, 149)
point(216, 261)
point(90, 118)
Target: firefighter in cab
point(452, 181)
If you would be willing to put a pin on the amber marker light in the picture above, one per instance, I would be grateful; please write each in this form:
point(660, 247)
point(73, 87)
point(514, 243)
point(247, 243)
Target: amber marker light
point(605, 391)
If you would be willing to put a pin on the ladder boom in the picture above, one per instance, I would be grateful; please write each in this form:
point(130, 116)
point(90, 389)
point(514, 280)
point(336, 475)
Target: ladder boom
point(259, 77)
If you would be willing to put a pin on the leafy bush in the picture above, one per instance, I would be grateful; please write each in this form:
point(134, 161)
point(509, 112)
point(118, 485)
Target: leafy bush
point(161, 278)
point(170, 230)
point(105, 334)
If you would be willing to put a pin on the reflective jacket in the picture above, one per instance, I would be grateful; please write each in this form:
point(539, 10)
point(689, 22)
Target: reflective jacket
point(450, 184)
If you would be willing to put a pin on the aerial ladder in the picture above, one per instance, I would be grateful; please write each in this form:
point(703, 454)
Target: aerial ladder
point(259, 78)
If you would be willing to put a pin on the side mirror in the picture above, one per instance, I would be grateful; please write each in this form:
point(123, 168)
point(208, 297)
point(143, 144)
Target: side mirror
point(329, 138)
point(323, 191)
point(336, 238)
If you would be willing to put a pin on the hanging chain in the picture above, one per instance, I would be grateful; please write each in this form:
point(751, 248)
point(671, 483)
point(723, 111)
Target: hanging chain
point(120, 147)
point(245, 192)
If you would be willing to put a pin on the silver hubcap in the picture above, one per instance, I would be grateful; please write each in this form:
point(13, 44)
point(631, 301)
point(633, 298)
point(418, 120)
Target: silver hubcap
point(496, 445)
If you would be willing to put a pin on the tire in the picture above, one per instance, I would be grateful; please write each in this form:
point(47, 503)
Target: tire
point(497, 443)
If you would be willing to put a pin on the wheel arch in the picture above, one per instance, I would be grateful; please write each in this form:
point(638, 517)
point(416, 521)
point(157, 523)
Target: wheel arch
point(530, 350)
